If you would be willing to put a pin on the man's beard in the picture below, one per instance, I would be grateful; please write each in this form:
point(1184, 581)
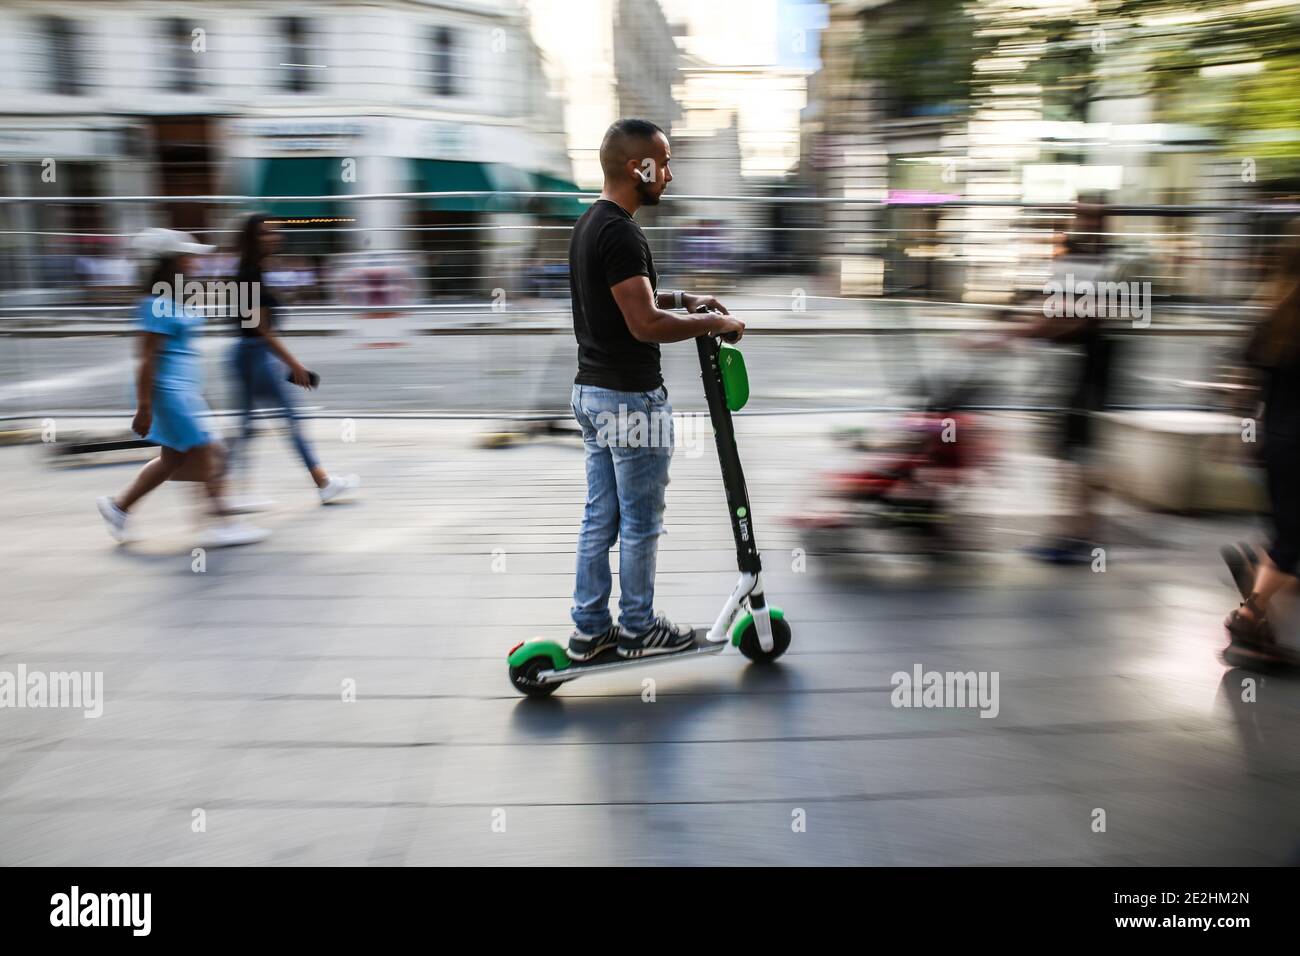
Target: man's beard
point(646, 194)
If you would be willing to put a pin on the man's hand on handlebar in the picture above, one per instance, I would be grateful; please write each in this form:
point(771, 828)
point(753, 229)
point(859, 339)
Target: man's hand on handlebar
point(726, 327)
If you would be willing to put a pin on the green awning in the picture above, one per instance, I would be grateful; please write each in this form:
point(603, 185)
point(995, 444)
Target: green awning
point(561, 207)
point(445, 175)
point(511, 179)
point(301, 176)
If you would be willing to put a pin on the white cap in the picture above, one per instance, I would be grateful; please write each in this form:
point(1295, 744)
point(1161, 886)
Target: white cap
point(168, 242)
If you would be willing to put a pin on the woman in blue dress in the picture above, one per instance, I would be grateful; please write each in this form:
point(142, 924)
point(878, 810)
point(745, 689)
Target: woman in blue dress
point(170, 409)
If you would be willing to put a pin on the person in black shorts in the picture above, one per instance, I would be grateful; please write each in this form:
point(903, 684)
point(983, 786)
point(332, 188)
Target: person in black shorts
point(1274, 350)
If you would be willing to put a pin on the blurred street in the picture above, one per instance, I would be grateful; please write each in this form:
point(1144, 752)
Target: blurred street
point(501, 369)
point(223, 689)
point(1015, 286)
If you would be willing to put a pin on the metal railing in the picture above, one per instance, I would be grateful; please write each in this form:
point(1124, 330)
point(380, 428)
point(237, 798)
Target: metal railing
point(482, 281)
point(1207, 257)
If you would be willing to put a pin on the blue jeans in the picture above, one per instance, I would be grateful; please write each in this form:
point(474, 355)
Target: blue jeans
point(262, 380)
point(629, 441)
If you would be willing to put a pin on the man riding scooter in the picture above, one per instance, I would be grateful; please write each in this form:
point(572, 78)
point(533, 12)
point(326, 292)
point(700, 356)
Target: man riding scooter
point(619, 399)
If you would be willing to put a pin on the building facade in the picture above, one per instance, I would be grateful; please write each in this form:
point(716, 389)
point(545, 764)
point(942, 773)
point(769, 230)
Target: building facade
point(250, 99)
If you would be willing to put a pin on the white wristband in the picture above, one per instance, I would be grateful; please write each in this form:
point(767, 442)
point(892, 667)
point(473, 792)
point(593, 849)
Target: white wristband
point(677, 299)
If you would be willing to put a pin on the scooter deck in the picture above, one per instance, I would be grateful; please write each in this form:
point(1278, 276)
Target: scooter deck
point(610, 659)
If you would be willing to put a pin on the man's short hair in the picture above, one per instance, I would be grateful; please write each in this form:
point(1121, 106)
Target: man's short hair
point(620, 141)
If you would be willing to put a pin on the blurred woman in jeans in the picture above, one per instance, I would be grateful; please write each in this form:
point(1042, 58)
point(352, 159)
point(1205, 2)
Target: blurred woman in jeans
point(1274, 349)
point(170, 410)
point(263, 363)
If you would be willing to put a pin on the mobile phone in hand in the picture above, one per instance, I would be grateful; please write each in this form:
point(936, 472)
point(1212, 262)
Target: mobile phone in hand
point(313, 377)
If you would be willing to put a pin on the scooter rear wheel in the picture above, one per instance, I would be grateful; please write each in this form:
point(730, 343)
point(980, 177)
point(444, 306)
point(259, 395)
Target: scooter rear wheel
point(750, 647)
point(524, 679)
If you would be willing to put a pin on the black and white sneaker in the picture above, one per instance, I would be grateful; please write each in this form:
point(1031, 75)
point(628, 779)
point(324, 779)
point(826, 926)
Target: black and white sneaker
point(662, 637)
point(583, 647)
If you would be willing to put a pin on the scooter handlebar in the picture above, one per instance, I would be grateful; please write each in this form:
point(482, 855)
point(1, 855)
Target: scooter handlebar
point(725, 337)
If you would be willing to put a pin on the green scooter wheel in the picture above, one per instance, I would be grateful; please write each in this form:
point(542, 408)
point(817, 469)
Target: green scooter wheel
point(750, 647)
point(524, 677)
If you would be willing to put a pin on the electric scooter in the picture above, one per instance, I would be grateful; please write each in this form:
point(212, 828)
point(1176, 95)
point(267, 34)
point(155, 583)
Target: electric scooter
point(539, 666)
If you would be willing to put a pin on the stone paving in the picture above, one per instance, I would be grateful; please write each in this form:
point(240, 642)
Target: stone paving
point(224, 689)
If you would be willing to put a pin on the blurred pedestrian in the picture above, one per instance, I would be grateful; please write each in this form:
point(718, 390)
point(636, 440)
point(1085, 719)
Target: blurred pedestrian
point(1274, 351)
point(1082, 260)
point(263, 364)
point(170, 410)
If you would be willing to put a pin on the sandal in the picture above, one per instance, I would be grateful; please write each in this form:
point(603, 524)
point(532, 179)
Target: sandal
point(1261, 657)
point(1252, 642)
point(1255, 631)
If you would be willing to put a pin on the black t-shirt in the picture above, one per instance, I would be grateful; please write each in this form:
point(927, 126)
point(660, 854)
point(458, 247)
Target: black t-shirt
point(607, 247)
point(269, 305)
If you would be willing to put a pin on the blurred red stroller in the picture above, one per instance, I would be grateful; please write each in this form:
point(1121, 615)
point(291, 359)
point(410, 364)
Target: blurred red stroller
point(897, 499)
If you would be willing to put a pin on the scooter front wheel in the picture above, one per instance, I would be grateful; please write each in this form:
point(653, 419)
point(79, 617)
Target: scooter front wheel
point(750, 647)
point(524, 678)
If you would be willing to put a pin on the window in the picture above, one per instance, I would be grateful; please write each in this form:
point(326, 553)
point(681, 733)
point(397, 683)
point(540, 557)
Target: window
point(442, 74)
point(61, 52)
point(298, 63)
point(182, 60)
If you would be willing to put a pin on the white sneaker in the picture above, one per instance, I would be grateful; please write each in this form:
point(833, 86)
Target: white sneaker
point(338, 486)
point(245, 505)
point(232, 533)
point(113, 516)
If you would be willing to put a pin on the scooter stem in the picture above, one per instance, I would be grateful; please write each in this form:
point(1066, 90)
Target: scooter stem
point(733, 476)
